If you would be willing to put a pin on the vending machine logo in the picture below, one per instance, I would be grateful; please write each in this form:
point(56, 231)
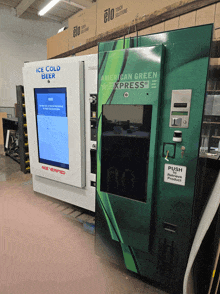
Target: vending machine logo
point(145, 80)
point(132, 85)
point(54, 170)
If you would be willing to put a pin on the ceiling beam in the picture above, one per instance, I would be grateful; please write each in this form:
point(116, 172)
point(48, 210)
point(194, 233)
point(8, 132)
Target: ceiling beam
point(73, 4)
point(7, 3)
point(35, 16)
point(50, 16)
point(23, 6)
point(79, 3)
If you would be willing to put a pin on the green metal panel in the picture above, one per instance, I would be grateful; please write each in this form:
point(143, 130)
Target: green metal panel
point(131, 62)
point(180, 59)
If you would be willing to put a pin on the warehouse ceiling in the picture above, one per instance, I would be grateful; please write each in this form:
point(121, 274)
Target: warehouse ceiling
point(28, 9)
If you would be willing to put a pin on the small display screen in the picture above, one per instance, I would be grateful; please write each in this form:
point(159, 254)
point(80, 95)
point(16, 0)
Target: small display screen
point(180, 105)
point(179, 112)
point(125, 150)
point(52, 126)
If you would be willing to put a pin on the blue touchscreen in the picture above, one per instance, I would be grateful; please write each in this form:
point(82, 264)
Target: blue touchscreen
point(52, 126)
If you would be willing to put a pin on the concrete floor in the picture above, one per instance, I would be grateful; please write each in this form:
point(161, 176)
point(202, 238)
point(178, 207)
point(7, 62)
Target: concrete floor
point(42, 251)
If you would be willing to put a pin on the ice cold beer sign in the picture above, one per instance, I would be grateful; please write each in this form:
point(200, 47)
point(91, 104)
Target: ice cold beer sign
point(175, 174)
point(48, 72)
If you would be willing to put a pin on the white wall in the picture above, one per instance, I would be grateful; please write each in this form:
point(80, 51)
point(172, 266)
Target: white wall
point(20, 40)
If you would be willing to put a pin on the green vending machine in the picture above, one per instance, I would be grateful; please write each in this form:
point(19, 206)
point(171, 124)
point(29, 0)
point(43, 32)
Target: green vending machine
point(151, 92)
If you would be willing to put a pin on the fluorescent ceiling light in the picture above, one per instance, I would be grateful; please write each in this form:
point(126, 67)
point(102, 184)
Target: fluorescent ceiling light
point(48, 7)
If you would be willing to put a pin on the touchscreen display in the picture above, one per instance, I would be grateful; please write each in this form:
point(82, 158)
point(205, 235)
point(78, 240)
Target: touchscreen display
point(125, 150)
point(52, 126)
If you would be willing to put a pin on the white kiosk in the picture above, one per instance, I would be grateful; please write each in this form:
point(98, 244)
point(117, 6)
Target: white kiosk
point(60, 96)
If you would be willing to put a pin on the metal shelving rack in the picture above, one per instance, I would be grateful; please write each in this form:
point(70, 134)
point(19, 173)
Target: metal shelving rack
point(22, 127)
point(210, 138)
point(12, 148)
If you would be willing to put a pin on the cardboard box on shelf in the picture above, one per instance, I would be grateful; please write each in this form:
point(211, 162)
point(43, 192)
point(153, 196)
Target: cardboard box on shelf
point(58, 44)
point(146, 31)
point(205, 15)
point(93, 50)
point(187, 20)
point(217, 22)
point(158, 28)
point(116, 13)
point(172, 24)
point(82, 26)
point(2, 115)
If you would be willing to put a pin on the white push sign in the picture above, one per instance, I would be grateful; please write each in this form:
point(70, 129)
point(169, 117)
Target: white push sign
point(175, 174)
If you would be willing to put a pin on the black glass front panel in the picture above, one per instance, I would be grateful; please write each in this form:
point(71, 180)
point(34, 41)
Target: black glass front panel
point(125, 150)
